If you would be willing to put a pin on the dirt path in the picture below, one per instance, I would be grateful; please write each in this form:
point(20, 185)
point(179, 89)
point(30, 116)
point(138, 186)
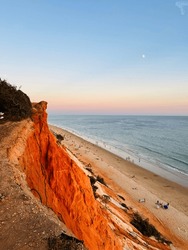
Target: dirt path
point(24, 222)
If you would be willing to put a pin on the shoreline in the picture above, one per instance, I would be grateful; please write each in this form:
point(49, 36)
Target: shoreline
point(134, 182)
point(158, 168)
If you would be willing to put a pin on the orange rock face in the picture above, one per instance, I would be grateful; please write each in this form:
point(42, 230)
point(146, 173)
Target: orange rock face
point(62, 186)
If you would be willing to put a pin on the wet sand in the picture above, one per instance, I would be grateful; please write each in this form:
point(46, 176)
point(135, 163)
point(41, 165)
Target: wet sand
point(135, 183)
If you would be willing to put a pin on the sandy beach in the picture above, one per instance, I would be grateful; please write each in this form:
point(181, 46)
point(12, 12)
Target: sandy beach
point(136, 183)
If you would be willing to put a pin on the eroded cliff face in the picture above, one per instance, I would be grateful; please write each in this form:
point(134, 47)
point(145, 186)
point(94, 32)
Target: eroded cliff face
point(60, 181)
point(61, 185)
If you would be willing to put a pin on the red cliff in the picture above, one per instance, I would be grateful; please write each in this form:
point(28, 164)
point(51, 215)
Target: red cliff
point(62, 186)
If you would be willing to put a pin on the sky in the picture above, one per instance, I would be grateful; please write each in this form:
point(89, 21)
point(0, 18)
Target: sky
point(126, 57)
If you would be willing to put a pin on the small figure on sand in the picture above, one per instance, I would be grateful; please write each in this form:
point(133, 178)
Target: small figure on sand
point(142, 200)
point(166, 206)
point(160, 204)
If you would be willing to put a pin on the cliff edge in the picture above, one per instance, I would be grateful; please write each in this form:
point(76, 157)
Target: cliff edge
point(37, 169)
point(59, 183)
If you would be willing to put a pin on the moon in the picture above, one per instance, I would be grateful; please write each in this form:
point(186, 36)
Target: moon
point(143, 56)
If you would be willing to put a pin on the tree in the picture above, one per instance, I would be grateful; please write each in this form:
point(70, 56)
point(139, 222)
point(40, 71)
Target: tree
point(15, 104)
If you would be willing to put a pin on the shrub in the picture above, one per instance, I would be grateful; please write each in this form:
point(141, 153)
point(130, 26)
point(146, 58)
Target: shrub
point(90, 170)
point(59, 137)
point(124, 205)
point(65, 242)
point(121, 197)
point(101, 180)
point(15, 104)
point(105, 198)
point(92, 181)
point(146, 228)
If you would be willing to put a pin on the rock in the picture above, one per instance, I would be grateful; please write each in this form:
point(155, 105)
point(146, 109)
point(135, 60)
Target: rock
point(57, 181)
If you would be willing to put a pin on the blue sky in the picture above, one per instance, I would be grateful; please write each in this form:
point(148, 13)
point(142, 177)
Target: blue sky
point(98, 57)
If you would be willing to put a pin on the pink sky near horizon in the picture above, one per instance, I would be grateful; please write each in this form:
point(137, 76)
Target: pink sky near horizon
point(104, 100)
point(123, 106)
point(117, 105)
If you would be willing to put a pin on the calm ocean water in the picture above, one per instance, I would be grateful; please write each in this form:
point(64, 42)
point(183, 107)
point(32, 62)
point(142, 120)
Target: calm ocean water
point(158, 143)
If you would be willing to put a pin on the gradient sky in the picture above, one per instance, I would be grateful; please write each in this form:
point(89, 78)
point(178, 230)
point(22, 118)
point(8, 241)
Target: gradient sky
point(98, 56)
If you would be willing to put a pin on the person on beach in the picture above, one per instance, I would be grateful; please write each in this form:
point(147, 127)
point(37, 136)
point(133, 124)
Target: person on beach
point(142, 200)
point(160, 204)
point(157, 204)
point(166, 206)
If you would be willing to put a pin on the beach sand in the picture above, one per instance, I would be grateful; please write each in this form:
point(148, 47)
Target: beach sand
point(134, 183)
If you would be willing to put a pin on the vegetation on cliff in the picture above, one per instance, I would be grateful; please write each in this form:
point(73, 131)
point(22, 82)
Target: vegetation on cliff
point(147, 229)
point(64, 241)
point(14, 104)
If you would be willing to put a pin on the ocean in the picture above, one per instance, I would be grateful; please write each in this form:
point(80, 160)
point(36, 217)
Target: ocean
point(157, 143)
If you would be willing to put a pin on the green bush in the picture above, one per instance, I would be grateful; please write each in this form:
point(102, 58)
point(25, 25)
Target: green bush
point(15, 104)
point(124, 205)
point(101, 180)
point(93, 181)
point(65, 242)
point(147, 229)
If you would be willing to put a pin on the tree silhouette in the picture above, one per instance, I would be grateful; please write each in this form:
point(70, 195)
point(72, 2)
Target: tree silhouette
point(15, 104)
